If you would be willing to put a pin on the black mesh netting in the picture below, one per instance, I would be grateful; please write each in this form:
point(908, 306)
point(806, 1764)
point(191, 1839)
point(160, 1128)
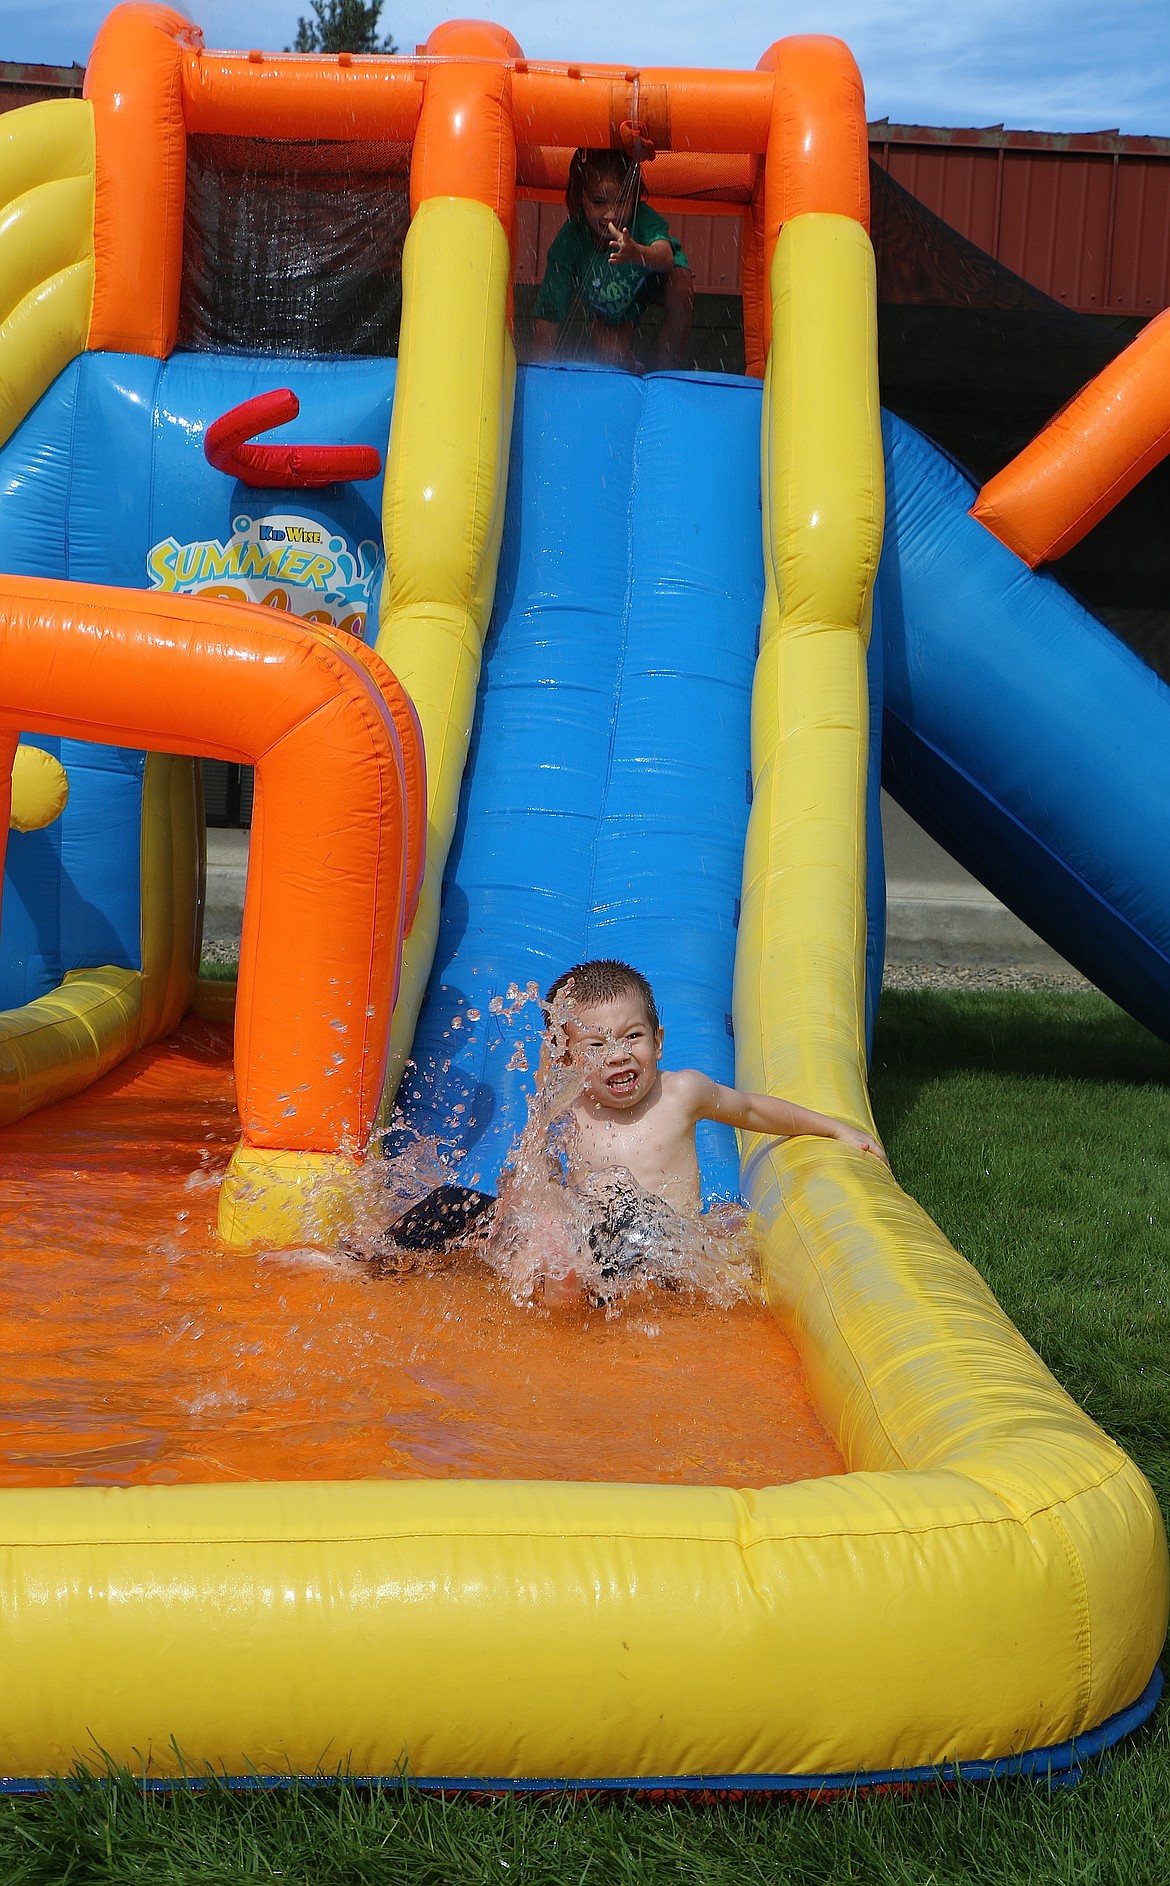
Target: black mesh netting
point(293, 248)
point(980, 360)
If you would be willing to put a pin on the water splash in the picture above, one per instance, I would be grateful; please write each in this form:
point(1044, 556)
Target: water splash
point(560, 1234)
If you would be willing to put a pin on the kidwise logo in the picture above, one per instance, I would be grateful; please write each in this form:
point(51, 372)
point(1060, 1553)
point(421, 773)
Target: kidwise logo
point(283, 561)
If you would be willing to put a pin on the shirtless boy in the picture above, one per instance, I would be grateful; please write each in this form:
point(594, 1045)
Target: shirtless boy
point(633, 1138)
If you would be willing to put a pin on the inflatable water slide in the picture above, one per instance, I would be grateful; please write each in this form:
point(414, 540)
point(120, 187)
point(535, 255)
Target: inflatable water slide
point(531, 666)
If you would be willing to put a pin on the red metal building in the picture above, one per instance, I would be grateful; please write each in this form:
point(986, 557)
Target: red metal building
point(26, 84)
point(1084, 217)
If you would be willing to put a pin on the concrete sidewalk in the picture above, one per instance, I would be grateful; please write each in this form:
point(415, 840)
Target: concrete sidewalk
point(227, 871)
point(936, 912)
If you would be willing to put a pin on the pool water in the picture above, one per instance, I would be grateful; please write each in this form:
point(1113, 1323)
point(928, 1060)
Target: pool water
point(136, 1348)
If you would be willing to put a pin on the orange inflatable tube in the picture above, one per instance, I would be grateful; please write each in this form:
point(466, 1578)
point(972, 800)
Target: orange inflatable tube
point(465, 145)
point(140, 182)
point(414, 759)
point(817, 163)
point(1099, 447)
point(463, 105)
point(262, 95)
point(721, 112)
point(327, 886)
point(818, 142)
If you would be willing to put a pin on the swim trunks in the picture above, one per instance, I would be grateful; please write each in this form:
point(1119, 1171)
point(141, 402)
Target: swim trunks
point(630, 1233)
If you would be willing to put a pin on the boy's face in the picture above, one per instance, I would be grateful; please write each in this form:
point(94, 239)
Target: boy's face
point(616, 1043)
point(602, 204)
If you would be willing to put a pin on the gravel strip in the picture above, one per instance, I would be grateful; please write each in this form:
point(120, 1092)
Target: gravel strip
point(982, 976)
point(221, 952)
point(897, 975)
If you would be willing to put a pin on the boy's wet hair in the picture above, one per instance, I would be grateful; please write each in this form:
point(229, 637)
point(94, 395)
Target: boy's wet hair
point(603, 979)
point(584, 165)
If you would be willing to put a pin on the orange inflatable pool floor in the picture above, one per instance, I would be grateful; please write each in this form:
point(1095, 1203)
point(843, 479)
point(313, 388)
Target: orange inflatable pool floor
point(138, 1349)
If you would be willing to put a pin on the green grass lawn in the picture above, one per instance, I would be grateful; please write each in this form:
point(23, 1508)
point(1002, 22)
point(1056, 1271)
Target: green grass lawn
point(213, 971)
point(1036, 1130)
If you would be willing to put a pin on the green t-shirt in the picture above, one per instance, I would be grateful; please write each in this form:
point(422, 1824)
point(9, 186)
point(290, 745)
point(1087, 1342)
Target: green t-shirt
point(578, 273)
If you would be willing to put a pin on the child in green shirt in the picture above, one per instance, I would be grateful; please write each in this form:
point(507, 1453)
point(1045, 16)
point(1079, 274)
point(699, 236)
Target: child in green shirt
point(613, 256)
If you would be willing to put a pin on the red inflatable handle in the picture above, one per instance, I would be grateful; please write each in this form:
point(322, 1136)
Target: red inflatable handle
point(225, 445)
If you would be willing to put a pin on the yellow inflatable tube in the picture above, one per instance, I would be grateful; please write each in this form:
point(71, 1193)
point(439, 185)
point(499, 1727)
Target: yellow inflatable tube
point(60, 1043)
point(46, 248)
point(443, 515)
point(40, 790)
point(1000, 1515)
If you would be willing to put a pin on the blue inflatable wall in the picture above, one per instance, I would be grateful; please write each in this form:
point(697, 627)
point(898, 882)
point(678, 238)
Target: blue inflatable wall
point(1023, 735)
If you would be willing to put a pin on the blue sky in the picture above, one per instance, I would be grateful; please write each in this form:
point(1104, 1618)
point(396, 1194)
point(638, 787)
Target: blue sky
point(1058, 65)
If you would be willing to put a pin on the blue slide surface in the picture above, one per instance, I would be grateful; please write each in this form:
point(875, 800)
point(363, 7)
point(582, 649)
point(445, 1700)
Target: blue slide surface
point(609, 782)
point(1023, 735)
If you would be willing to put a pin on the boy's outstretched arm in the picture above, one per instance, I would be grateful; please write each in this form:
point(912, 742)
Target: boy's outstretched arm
point(768, 1113)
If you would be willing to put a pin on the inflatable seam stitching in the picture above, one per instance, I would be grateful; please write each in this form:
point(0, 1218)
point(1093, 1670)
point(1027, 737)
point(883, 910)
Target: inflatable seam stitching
point(555, 1534)
point(1052, 1508)
point(620, 675)
point(1083, 1611)
point(154, 422)
point(70, 471)
point(556, 1531)
point(786, 1188)
point(15, 1034)
point(334, 662)
point(174, 99)
point(1158, 447)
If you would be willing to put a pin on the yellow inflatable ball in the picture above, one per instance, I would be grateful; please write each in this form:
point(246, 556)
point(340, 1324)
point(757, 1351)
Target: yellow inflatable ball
point(40, 790)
